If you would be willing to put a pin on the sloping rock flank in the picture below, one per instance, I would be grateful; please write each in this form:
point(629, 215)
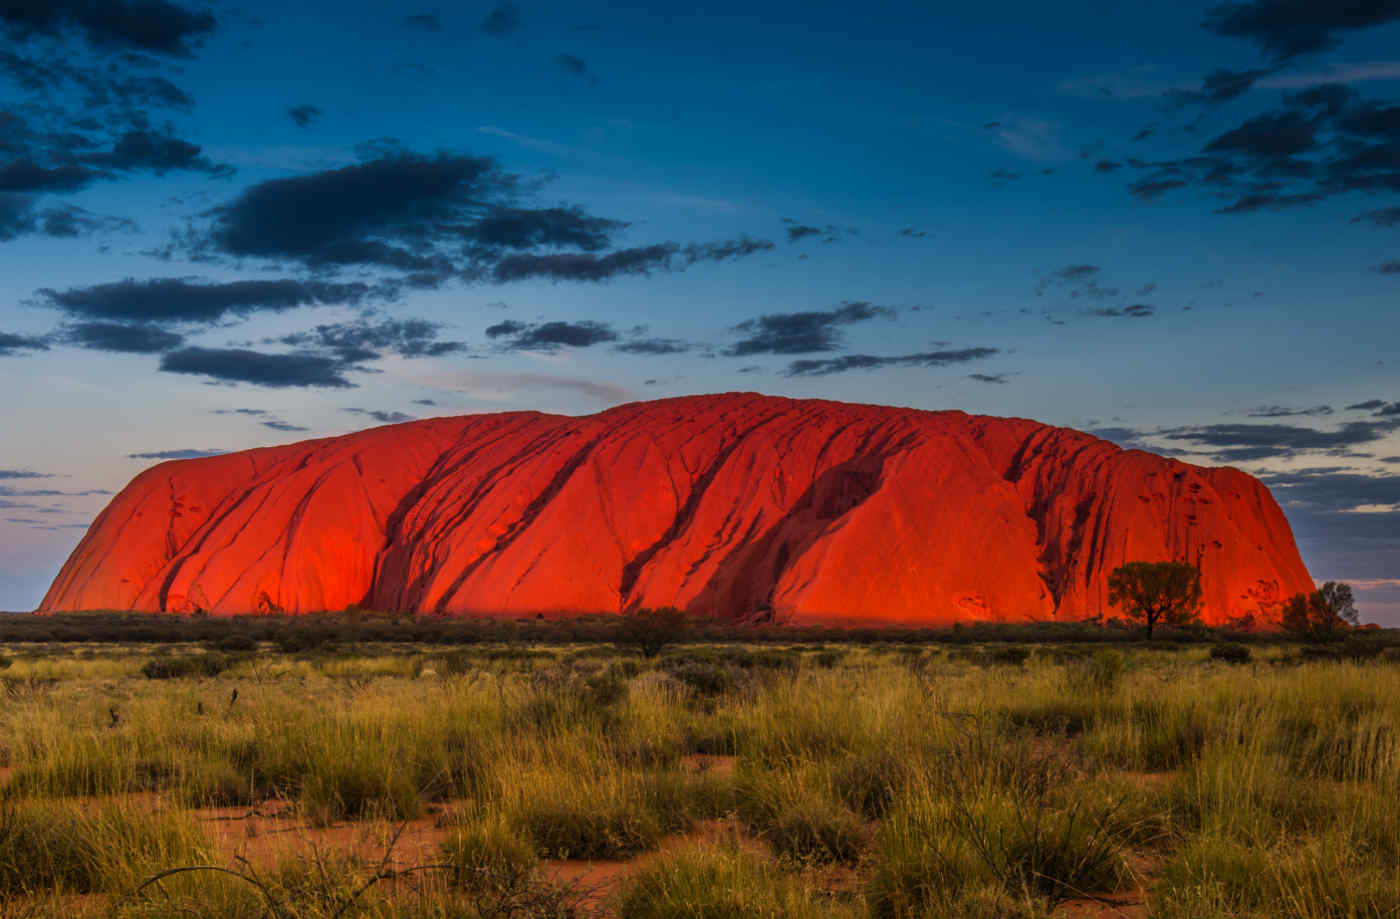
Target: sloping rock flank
point(736, 505)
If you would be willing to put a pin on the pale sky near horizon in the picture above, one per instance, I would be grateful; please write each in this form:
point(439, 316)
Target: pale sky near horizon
point(1176, 225)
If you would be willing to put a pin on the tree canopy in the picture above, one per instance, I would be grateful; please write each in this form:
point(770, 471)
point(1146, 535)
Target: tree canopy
point(1325, 612)
point(1168, 593)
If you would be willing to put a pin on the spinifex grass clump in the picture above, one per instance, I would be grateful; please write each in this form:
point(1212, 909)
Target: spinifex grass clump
point(717, 882)
point(57, 846)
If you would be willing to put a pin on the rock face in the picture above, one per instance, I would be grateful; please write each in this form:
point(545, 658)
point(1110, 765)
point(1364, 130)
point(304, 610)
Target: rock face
point(736, 505)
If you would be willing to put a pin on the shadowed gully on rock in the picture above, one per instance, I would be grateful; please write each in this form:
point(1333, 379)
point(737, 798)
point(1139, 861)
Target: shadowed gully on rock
point(735, 505)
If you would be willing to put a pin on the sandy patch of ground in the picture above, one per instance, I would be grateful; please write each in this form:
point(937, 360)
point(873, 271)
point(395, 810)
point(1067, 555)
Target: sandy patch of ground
point(271, 833)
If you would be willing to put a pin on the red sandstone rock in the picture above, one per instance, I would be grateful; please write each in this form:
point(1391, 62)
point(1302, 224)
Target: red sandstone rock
point(725, 505)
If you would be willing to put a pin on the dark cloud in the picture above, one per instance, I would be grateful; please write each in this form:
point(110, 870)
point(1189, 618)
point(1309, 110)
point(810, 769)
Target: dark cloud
point(432, 219)
point(520, 228)
point(365, 340)
point(1242, 442)
point(1219, 86)
point(1077, 281)
point(850, 362)
point(582, 266)
point(152, 26)
point(396, 212)
point(1340, 517)
point(988, 377)
point(1392, 267)
point(1150, 189)
point(726, 249)
point(575, 66)
point(428, 22)
point(304, 115)
point(176, 454)
point(916, 234)
point(424, 402)
point(1276, 134)
point(23, 474)
point(381, 416)
point(25, 175)
point(21, 216)
point(1127, 438)
point(1136, 311)
point(550, 336)
point(1285, 29)
point(123, 338)
point(1368, 405)
point(802, 333)
point(12, 344)
point(1283, 411)
point(1385, 217)
point(505, 327)
point(654, 346)
point(274, 424)
point(181, 300)
point(1106, 166)
point(238, 365)
point(502, 21)
point(1324, 141)
point(158, 153)
point(1267, 201)
point(801, 231)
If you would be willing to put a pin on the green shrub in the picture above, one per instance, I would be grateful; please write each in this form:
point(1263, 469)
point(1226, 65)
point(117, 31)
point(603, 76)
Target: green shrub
point(1009, 655)
point(56, 847)
point(1098, 674)
point(170, 667)
point(235, 644)
point(1230, 653)
point(651, 630)
point(488, 856)
point(717, 883)
point(798, 819)
point(704, 679)
point(869, 782)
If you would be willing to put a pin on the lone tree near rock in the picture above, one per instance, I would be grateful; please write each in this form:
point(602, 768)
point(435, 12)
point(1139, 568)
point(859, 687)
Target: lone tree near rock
point(1322, 613)
point(1156, 592)
point(651, 630)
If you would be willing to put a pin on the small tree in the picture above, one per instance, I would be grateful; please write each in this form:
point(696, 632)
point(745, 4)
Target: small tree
point(1322, 614)
point(1153, 592)
point(651, 630)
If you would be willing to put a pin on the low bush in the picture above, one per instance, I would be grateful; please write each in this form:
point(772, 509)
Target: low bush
point(798, 819)
point(1098, 674)
point(718, 883)
point(488, 855)
point(1230, 653)
point(1010, 655)
point(171, 667)
point(234, 644)
point(58, 847)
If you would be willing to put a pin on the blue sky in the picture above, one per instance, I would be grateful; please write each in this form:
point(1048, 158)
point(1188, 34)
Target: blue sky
point(229, 226)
